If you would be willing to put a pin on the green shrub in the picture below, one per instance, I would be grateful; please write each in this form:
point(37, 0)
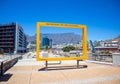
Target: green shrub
point(68, 48)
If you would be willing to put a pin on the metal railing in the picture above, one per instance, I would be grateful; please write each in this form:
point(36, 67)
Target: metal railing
point(100, 57)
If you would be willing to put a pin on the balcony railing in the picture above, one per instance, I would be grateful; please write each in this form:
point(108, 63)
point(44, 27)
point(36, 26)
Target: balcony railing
point(4, 32)
point(6, 46)
point(2, 39)
point(5, 42)
point(6, 35)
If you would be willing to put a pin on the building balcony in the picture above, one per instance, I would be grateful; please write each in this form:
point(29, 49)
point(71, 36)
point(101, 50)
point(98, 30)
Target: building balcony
point(6, 36)
point(4, 32)
point(6, 42)
point(4, 39)
point(5, 28)
point(6, 46)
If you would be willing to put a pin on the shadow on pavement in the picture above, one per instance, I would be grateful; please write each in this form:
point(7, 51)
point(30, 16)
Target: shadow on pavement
point(62, 67)
point(5, 77)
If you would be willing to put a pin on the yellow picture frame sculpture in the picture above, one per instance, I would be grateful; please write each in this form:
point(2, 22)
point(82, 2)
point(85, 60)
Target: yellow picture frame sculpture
point(60, 25)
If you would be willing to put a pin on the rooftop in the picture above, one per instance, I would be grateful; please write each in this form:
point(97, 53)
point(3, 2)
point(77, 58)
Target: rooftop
point(106, 47)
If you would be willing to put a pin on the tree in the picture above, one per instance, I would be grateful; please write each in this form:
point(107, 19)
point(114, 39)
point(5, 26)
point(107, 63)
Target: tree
point(68, 48)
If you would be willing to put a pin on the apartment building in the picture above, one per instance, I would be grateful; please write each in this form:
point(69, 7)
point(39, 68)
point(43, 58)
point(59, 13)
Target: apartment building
point(12, 38)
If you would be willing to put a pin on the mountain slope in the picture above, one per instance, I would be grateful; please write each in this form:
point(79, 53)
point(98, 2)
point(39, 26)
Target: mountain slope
point(115, 39)
point(58, 38)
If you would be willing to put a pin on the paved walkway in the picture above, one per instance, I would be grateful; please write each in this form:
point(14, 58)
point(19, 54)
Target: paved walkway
point(29, 71)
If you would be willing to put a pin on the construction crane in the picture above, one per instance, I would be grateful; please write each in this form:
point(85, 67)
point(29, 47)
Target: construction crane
point(93, 48)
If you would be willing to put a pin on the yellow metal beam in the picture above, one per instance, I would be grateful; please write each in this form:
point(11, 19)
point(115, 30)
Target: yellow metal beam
point(60, 25)
point(62, 58)
point(38, 42)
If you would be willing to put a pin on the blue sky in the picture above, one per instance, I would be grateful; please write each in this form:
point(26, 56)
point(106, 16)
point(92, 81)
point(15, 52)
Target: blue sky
point(102, 17)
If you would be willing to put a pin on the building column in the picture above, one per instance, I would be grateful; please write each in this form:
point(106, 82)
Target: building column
point(16, 39)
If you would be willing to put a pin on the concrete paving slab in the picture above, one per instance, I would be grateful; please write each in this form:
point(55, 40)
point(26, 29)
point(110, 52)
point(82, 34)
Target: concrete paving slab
point(65, 73)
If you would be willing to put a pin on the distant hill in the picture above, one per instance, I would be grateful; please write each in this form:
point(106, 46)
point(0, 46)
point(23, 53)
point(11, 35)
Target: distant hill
point(58, 38)
point(30, 38)
point(114, 39)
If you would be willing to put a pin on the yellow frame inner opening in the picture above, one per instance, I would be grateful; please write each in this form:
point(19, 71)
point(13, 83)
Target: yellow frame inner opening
point(59, 25)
